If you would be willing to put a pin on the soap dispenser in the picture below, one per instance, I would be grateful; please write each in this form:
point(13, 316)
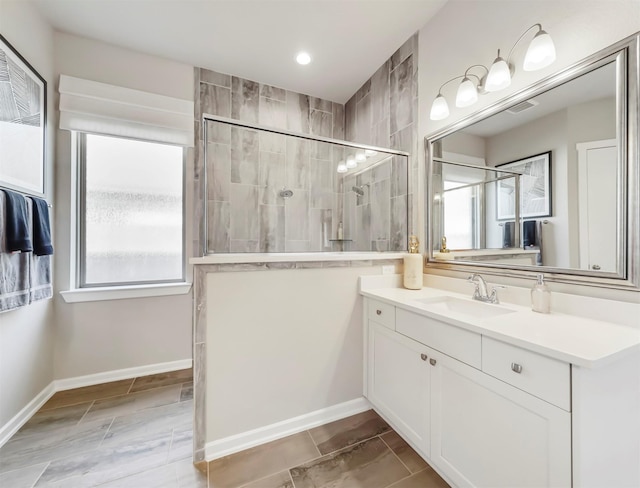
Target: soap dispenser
point(413, 266)
point(540, 296)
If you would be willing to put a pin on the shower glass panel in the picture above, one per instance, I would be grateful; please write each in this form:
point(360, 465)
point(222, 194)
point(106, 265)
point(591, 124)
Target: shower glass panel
point(475, 215)
point(269, 191)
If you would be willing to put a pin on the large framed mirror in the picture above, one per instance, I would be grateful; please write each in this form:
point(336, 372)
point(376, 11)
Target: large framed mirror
point(546, 180)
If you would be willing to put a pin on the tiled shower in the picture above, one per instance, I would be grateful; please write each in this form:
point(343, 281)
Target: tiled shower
point(251, 157)
point(273, 192)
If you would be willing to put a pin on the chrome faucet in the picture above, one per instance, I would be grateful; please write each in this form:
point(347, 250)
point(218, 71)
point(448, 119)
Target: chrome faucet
point(481, 292)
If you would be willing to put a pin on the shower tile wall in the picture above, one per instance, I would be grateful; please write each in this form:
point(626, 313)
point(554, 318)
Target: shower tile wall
point(383, 112)
point(247, 168)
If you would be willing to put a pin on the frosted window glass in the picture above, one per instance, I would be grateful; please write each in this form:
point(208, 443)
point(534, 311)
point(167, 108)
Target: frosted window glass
point(133, 216)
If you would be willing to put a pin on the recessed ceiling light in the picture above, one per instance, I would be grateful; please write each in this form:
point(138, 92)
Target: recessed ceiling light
point(303, 58)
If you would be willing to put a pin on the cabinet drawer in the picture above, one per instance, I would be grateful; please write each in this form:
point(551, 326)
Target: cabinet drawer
point(451, 340)
point(382, 313)
point(544, 377)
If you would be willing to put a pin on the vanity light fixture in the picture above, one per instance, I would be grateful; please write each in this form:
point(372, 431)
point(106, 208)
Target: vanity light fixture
point(466, 95)
point(499, 76)
point(360, 157)
point(540, 54)
point(351, 162)
point(342, 168)
point(303, 58)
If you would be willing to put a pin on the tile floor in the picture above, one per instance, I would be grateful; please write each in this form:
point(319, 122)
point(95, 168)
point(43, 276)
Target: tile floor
point(361, 451)
point(138, 434)
point(132, 433)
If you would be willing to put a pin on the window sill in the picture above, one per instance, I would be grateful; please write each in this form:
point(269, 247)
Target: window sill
point(124, 292)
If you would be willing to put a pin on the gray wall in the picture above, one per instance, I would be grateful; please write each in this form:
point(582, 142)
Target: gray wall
point(251, 166)
point(383, 113)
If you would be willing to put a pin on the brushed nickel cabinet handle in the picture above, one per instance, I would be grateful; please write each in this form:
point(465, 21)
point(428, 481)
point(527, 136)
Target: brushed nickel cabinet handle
point(379, 312)
point(423, 357)
point(516, 368)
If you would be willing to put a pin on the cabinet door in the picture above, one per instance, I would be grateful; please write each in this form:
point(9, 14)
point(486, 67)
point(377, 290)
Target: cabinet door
point(399, 383)
point(486, 433)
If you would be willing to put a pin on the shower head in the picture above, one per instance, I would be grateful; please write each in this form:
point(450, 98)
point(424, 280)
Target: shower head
point(358, 190)
point(284, 193)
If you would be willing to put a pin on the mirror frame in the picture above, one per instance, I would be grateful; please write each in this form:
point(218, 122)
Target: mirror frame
point(627, 120)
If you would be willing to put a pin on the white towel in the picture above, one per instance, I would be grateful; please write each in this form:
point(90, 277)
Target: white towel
point(14, 269)
point(24, 277)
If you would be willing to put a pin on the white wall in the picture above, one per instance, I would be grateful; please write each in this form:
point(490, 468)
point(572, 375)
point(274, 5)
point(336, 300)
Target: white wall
point(464, 33)
point(26, 334)
point(297, 348)
point(96, 337)
point(549, 133)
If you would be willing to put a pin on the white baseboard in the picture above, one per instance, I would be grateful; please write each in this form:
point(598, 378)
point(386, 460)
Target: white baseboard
point(120, 374)
point(11, 427)
point(252, 438)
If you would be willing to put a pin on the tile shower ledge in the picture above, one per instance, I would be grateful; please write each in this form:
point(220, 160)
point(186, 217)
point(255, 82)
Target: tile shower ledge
point(292, 257)
point(581, 341)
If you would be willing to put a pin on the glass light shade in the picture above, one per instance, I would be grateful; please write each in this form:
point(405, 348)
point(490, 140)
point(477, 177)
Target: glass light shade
point(499, 76)
point(467, 93)
point(370, 152)
point(360, 156)
point(351, 162)
point(541, 52)
point(439, 109)
point(342, 168)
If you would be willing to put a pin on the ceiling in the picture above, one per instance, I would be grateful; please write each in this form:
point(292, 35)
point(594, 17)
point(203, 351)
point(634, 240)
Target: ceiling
point(256, 39)
point(595, 85)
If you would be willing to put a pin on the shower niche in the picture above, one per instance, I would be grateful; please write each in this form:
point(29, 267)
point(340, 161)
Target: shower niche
point(270, 191)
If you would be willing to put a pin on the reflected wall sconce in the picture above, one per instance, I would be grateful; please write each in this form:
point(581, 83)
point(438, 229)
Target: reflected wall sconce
point(540, 54)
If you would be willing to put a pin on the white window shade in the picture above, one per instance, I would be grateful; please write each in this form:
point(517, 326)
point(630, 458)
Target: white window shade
point(99, 108)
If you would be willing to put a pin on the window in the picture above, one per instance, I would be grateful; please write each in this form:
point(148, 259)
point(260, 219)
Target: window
point(461, 216)
point(131, 212)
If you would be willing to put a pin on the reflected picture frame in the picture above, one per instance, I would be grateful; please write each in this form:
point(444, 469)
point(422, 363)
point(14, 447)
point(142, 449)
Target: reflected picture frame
point(23, 119)
point(535, 188)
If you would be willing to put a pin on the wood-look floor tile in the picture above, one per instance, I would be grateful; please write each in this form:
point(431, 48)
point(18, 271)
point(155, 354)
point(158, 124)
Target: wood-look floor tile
point(370, 464)
point(151, 420)
point(279, 480)
point(427, 478)
point(181, 444)
point(162, 379)
point(22, 452)
point(45, 422)
point(23, 477)
point(161, 477)
point(187, 392)
point(189, 476)
point(133, 402)
point(182, 474)
point(261, 461)
point(91, 468)
point(87, 394)
point(348, 431)
point(410, 458)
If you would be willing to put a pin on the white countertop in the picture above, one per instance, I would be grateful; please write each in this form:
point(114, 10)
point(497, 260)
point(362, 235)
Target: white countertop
point(577, 340)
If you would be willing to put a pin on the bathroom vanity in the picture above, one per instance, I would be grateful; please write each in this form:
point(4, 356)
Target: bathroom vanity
point(498, 395)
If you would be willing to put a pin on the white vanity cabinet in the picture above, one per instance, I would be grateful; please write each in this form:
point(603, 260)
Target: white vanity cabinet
point(487, 433)
point(425, 378)
point(399, 383)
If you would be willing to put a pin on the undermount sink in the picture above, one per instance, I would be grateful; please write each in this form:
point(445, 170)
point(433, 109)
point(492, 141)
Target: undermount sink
point(474, 309)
